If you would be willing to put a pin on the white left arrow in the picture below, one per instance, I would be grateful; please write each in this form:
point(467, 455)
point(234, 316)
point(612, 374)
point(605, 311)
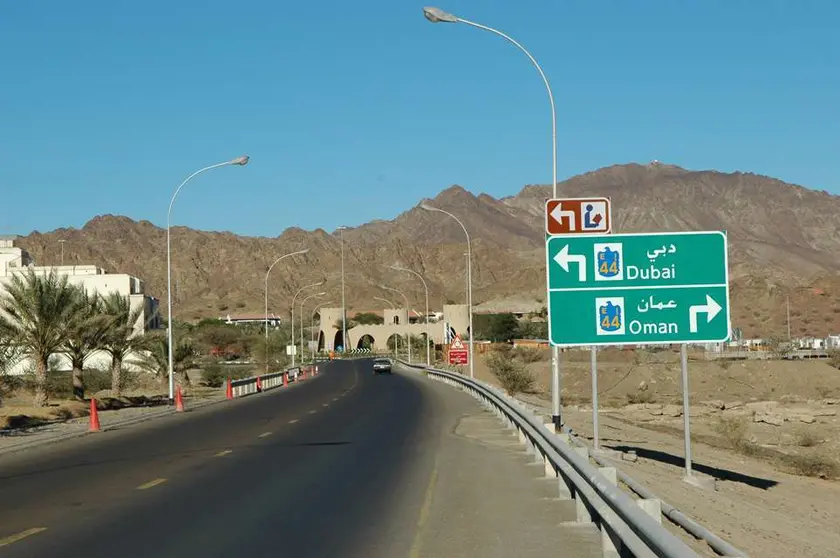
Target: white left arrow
point(564, 259)
point(558, 215)
point(711, 309)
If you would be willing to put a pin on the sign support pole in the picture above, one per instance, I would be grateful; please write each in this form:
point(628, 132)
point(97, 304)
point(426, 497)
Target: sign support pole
point(555, 389)
point(686, 418)
point(593, 360)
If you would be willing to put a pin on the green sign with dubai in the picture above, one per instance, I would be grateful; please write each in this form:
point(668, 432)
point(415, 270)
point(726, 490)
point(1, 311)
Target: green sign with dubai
point(629, 289)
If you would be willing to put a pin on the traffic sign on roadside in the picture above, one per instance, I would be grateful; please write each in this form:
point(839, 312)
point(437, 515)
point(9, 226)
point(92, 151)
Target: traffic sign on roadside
point(458, 353)
point(578, 216)
point(628, 289)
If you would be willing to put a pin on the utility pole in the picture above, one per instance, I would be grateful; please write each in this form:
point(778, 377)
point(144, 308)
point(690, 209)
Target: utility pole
point(787, 299)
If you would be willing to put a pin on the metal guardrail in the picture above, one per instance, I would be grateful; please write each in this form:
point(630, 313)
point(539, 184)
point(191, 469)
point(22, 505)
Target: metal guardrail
point(795, 354)
point(627, 527)
point(265, 382)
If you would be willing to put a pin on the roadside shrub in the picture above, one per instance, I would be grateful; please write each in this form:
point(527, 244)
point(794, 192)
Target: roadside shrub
point(215, 375)
point(734, 431)
point(528, 355)
point(511, 374)
point(806, 439)
point(812, 466)
point(503, 349)
point(834, 358)
point(640, 396)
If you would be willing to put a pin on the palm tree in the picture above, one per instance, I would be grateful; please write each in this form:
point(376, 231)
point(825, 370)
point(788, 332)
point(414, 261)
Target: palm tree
point(86, 334)
point(9, 356)
point(34, 313)
point(156, 357)
point(120, 339)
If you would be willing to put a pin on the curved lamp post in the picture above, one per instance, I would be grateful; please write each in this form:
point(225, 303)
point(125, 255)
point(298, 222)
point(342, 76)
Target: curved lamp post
point(267, 273)
point(240, 161)
point(343, 307)
point(436, 15)
point(293, 316)
point(407, 314)
point(426, 288)
point(428, 207)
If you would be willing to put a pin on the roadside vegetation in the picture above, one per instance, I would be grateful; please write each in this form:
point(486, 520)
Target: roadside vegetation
point(504, 327)
point(509, 368)
point(44, 318)
point(733, 434)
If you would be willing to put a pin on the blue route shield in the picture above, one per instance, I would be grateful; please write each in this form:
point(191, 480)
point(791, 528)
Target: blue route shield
point(609, 317)
point(609, 263)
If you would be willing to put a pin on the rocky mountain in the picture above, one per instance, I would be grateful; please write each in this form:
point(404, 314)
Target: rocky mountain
point(784, 241)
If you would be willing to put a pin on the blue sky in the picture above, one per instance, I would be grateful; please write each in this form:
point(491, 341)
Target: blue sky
point(353, 111)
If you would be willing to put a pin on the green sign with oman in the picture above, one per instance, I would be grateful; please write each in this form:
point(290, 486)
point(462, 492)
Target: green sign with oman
point(627, 289)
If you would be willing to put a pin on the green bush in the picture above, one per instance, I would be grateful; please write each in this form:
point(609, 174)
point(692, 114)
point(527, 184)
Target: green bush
point(215, 375)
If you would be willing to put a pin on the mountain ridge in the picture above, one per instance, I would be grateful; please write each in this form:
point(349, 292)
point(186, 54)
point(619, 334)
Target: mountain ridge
point(783, 238)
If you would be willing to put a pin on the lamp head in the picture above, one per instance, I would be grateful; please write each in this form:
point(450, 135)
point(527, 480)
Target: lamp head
point(436, 15)
point(241, 161)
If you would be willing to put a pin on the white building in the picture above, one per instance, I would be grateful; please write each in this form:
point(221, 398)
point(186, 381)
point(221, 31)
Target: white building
point(17, 261)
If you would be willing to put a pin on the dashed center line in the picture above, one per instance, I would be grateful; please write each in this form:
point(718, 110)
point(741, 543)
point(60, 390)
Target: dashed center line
point(293, 421)
point(22, 535)
point(223, 453)
point(151, 484)
point(313, 411)
point(325, 404)
point(335, 398)
point(264, 434)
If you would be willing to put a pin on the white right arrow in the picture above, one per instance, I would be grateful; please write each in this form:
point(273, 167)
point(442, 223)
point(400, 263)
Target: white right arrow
point(564, 258)
point(558, 214)
point(711, 309)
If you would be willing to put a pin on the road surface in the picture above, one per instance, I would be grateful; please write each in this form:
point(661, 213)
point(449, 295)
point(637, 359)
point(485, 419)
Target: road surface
point(344, 465)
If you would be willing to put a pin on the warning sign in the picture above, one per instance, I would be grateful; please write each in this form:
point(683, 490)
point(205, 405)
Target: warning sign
point(458, 353)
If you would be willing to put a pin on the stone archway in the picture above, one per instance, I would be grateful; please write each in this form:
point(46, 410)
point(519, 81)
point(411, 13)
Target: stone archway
point(338, 341)
point(321, 341)
point(366, 341)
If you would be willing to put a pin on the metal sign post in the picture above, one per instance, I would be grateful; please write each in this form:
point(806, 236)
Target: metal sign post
point(686, 418)
point(573, 216)
point(593, 359)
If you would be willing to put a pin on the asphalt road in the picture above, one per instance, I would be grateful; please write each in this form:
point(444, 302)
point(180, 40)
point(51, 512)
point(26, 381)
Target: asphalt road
point(344, 465)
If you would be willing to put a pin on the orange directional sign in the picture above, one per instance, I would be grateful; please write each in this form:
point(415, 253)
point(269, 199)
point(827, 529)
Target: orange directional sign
point(578, 215)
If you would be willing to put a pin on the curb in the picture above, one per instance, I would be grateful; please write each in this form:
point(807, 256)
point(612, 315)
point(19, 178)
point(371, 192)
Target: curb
point(16, 448)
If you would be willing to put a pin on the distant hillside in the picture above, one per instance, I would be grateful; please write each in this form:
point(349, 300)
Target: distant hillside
point(784, 241)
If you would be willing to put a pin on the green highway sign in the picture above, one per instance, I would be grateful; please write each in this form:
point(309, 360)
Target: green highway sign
point(628, 289)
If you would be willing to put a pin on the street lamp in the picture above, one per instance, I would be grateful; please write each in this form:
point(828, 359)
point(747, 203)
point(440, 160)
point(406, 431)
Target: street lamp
point(436, 15)
point(240, 161)
point(267, 273)
point(343, 307)
point(293, 317)
point(312, 323)
point(302, 302)
point(428, 207)
point(407, 314)
point(426, 288)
